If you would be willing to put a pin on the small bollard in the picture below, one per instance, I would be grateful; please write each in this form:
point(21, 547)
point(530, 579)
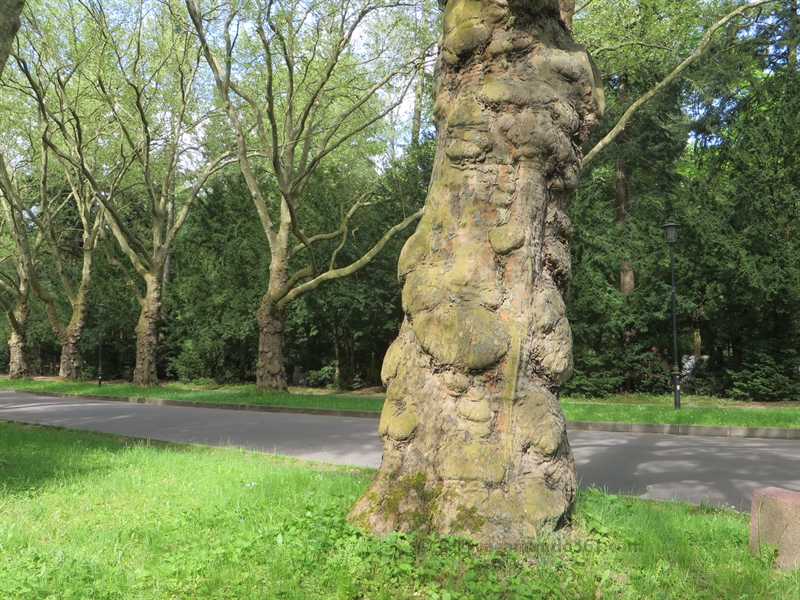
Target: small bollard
point(775, 520)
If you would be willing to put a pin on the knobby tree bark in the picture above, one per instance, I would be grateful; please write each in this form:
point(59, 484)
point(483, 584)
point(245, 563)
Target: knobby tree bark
point(474, 439)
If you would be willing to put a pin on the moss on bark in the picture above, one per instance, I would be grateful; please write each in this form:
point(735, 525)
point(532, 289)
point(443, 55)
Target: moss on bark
point(474, 438)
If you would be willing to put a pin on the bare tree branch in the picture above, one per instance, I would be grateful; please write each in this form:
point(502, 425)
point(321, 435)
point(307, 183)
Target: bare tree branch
point(626, 44)
point(353, 267)
point(698, 52)
point(126, 276)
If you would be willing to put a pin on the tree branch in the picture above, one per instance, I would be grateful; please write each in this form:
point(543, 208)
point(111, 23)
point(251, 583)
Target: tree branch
point(121, 268)
point(698, 52)
point(222, 81)
point(351, 268)
point(342, 229)
point(624, 44)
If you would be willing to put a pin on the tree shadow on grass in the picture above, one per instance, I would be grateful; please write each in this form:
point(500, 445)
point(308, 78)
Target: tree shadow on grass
point(32, 456)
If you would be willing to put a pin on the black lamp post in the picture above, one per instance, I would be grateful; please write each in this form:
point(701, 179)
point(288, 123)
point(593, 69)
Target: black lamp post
point(671, 235)
point(101, 308)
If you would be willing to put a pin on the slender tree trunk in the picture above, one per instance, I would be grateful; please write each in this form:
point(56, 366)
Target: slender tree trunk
point(792, 36)
point(416, 119)
point(18, 365)
point(697, 349)
point(419, 92)
point(242, 359)
point(627, 282)
point(270, 370)
point(168, 259)
point(144, 373)
point(474, 439)
point(736, 351)
point(350, 348)
point(336, 357)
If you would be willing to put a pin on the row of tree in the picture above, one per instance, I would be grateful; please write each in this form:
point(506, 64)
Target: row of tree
point(120, 117)
point(248, 173)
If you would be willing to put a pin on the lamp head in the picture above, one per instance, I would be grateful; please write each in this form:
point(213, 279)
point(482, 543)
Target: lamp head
point(670, 232)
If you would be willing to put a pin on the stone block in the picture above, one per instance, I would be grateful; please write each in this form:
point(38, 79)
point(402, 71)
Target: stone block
point(775, 520)
point(659, 428)
point(771, 433)
point(704, 430)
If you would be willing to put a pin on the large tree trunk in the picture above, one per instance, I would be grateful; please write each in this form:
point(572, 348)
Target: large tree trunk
point(147, 333)
point(271, 317)
point(474, 439)
point(270, 370)
point(70, 336)
point(9, 25)
point(17, 365)
point(71, 362)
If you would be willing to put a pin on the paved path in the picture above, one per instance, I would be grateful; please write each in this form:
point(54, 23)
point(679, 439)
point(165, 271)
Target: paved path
point(695, 469)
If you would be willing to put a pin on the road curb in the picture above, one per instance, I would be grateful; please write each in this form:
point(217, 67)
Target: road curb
point(770, 433)
point(326, 412)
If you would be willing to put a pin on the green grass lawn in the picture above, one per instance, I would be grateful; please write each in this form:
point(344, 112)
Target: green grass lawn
point(229, 394)
point(696, 410)
point(741, 417)
point(85, 515)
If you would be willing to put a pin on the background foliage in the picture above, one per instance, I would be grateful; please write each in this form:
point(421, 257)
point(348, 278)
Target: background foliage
point(715, 151)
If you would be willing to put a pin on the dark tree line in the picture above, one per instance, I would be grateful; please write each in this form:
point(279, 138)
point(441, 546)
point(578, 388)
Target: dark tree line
point(713, 152)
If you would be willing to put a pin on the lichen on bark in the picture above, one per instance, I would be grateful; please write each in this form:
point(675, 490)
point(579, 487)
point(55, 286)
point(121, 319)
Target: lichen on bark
point(471, 416)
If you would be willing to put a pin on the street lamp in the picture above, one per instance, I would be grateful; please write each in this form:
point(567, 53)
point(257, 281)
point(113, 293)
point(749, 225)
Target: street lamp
point(101, 308)
point(671, 236)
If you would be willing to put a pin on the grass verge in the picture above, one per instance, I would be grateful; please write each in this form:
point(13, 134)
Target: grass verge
point(239, 394)
point(731, 417)
point(86, 515)
point(627, 409)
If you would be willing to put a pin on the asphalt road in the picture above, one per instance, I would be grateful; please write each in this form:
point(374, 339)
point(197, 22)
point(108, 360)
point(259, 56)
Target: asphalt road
point(721, 471)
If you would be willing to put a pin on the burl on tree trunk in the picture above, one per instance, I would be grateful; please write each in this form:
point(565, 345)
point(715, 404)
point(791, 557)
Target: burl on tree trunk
point(474, 439)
